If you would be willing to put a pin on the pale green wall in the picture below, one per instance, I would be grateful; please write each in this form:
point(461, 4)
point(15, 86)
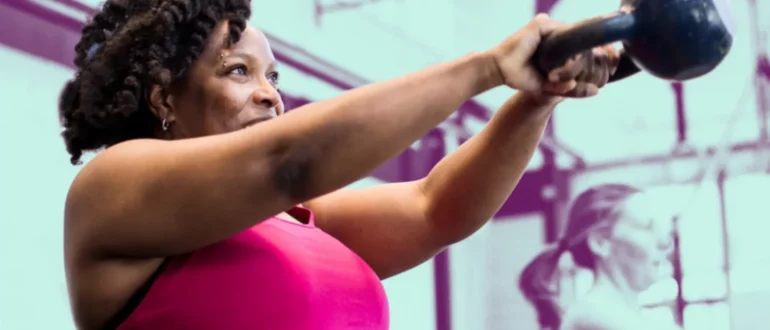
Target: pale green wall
point(34, 176)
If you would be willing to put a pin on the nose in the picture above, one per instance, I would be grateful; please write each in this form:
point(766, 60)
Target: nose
point(267, 96)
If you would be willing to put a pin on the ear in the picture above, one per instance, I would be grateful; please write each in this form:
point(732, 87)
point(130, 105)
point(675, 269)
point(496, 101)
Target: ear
point(161, 103)
point(598, 244)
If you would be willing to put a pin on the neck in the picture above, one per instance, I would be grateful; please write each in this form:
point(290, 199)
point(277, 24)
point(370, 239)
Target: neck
point(612, 283)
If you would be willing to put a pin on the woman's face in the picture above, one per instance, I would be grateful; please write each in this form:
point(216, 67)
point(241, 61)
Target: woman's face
point(641, 242)
point(225, 89)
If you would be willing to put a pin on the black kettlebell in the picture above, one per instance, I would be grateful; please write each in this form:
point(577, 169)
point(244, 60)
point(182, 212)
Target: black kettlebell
point(671, 39)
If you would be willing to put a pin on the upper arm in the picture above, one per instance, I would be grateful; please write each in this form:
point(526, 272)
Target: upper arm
point(385, 224)
point(153, 198)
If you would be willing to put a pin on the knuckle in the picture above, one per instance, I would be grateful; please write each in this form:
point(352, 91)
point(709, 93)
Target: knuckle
point(542, 18)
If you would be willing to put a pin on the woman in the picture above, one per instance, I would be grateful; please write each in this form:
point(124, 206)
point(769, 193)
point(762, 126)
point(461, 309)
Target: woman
point(612, 231)
point(212, 209)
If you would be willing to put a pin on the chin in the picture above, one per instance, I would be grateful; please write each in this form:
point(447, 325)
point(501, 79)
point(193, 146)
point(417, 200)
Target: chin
point(645, 283)
point(644, 287)
point(639, 288)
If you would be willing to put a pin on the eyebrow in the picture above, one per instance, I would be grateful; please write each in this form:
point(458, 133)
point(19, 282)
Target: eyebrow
point(273, 64)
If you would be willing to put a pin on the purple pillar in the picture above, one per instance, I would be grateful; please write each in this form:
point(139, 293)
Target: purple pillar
point(545, 6)
point(681, 118)
point(442, 286)
point(762, 73)
point(762, 85)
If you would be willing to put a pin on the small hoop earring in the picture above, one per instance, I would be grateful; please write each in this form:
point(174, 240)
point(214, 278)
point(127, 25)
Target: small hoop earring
point(164, 125)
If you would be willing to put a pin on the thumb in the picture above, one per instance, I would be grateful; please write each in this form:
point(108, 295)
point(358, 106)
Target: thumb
point(559, 88)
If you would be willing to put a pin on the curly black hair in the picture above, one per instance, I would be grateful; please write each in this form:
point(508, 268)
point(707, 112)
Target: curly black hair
point(127, 47)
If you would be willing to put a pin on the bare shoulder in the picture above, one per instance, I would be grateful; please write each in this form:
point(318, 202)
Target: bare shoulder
point(108, 182)
point(110, 164)
point(156, 198)
point(96, 180)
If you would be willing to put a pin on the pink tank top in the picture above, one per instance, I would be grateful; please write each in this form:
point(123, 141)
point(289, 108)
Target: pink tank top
point(277, 275)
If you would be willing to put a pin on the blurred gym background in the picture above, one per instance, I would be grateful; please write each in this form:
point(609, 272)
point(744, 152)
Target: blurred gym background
point(702, 146)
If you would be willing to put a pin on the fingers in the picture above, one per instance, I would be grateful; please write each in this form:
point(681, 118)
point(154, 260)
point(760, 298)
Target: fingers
point(582, 75)
point(604, 64)
point(613, 57)
point(545, 24)
point(569, 71)
point(595, 70)
point(586, 73)
point(582, 90)
point(572, 89)
point(560, 88)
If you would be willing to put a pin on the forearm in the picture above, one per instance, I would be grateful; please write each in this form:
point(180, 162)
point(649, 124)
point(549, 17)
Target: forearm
point(469, 186)
point(353, 134)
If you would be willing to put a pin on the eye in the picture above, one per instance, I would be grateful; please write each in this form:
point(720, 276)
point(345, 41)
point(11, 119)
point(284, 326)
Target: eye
point(239, 69)
point(273, 77)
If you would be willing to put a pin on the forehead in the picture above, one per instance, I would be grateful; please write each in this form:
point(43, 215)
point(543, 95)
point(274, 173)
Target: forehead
point(253, 42)
point(642, 210)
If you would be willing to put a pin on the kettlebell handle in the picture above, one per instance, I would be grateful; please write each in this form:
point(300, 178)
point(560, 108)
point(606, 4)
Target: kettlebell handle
point(561, 45)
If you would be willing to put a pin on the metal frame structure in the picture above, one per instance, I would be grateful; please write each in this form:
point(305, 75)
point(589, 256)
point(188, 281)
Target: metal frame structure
point(322, 8)
point(729, 160)
point(56, 35)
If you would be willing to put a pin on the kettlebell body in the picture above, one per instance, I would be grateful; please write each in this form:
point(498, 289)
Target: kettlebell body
point(677, 39)
point(671, 39)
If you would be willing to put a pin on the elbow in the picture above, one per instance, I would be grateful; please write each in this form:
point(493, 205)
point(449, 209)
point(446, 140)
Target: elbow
point(456, 236)
point(453, 228)
point(452, 225)
point(450, 228)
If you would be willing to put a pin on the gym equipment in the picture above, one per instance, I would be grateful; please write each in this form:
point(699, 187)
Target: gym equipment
point(675, 40)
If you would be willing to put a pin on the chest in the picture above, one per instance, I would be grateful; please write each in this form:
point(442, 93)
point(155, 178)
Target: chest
point(278, 274)
point(296, 269)
point(308, 256)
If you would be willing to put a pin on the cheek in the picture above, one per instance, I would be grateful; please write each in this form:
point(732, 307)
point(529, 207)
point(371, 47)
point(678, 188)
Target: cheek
point(636, 262)
point(281, 107)
point(636, 253)
point(222, 108)
point(226, 104)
